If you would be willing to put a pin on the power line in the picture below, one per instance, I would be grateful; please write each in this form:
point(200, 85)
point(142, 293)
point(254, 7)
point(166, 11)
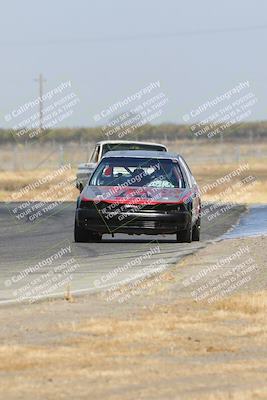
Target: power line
point(142, 36)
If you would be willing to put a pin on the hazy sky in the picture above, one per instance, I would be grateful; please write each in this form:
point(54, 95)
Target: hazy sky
point(110, 49)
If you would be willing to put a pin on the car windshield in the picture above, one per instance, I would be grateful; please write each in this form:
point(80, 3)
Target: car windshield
point(131, 146)
point(139, 172)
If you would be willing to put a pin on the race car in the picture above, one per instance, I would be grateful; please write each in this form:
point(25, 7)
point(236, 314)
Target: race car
point(139, 192)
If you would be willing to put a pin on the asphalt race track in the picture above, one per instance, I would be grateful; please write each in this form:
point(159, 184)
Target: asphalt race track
point(42, 258)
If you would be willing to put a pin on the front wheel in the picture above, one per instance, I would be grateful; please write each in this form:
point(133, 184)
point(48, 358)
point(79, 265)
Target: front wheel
point(82, 235)
point(185, 235)
point(196, 231)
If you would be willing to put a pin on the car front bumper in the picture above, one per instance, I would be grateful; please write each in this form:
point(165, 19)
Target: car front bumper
point(133, 222)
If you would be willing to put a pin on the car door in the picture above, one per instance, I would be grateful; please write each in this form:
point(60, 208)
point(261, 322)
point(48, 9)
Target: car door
point(193, 188)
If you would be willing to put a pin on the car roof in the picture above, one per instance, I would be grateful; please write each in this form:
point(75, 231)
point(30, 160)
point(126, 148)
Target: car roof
point(141, 154)
point(129, 142)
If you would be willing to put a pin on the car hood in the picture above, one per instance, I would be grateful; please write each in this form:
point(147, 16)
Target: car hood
point(135, 195)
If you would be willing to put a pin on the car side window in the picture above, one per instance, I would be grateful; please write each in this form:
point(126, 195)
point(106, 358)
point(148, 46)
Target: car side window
point(191, 175)
point(187, 173)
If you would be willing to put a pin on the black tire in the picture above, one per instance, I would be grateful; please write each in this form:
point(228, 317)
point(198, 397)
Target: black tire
point(184, 236)
point(196, 231)
point(93, 237)
point(96, 237)
point(82, 235)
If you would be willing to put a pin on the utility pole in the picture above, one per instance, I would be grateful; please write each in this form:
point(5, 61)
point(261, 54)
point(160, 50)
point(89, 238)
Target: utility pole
point(41, 81)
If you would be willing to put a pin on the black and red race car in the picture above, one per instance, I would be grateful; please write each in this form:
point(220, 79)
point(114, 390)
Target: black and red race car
point(139, 192)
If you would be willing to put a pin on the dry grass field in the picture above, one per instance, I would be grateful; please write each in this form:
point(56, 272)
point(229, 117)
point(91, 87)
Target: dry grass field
point(159, 354)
